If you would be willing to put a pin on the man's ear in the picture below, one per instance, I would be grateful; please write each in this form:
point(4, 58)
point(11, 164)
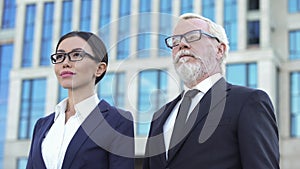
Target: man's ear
point(221, 51)
point(100, 69)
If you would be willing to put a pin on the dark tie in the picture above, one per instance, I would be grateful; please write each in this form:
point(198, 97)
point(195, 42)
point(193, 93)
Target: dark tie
point(181, 118)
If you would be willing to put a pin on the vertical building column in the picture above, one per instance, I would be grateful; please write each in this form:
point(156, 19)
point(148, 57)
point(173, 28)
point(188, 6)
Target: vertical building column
point(242, 24)
point(133, 34)
point(37, 33)
point(76, 15)
point(265, 27)
point(114, 30)
point(20, 20)
point(219, 12)
point(95, 16)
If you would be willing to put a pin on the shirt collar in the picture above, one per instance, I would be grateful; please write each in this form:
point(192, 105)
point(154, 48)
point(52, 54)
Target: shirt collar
point(206, 84)
point(83, 108)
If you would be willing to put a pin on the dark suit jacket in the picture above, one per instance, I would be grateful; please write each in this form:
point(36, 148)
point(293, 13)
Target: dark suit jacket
point(103, 141)
point(232, 127)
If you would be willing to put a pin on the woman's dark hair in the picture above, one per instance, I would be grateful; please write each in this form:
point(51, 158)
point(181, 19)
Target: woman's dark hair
point(95, 43)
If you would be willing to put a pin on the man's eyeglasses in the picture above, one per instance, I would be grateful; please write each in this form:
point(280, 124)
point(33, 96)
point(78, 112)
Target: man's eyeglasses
point(190, 36)
point(73, 56)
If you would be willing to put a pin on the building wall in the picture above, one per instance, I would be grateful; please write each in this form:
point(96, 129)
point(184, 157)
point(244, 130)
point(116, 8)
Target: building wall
point(270, 57)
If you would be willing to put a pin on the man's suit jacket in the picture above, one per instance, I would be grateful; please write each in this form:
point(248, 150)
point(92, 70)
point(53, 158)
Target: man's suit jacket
point(103, 141)
point(232, 127)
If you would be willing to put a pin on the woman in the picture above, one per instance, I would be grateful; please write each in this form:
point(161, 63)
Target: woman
point(83, 132)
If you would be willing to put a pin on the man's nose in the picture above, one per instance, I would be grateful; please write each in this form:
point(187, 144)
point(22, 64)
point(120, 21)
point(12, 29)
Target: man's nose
point(183, 44)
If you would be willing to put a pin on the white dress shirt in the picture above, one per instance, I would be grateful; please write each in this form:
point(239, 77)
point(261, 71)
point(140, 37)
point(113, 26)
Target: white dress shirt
point(56, 142)
point(203, 87)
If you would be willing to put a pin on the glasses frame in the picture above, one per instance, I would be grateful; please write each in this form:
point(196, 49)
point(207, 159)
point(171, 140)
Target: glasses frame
point(201, 32)
point(82, 54)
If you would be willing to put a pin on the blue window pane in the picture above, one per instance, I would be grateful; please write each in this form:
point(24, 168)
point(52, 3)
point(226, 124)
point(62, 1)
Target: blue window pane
point(165, 27)
point(112, 89)
point(9, 14)
point(294, 6)
point(145, 6)
point(253, 4)
point(294, 105)
point(47, 33)
point(186, 6)
point(66, 20)
point(208, 9)
point(242, 74)
point(123, 46)
point(151, 96)
point(28, 36)
point(32, 105)
point(104, 21)
point(85, 15)
point(253, 32)
point(230, 22)
point(294, 42)
point(6, 56)
point(22, 162)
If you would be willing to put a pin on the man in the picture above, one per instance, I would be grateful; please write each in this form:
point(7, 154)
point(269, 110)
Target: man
point(225, 126)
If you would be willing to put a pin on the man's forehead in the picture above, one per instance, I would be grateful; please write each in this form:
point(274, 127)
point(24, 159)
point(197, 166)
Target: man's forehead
point(185, 25)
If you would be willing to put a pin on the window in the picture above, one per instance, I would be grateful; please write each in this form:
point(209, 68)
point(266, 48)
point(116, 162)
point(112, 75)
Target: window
point(294, 6)
point(104, 20)
point(47, 33)
point(144, 36)
point(165, 26)
point(208, 9)
point(32, 105)
point(253, 4)
point(186, 6)
point(9, 14)
point(62, 93)
point(242, 74)
point(28, 36)
point(294, 103)
point(123, 46)
point(151, 96)
point(230, 22)
point(21, 163)
point(6, 56)
point(66, 18)
point(112, 89)
point(253, 32)
point(294, 43)
point(85, 15)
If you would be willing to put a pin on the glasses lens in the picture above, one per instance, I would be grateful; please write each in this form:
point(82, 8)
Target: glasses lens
point(192, 36)
point(173, 41)
point(76, 55)
point(58, 57)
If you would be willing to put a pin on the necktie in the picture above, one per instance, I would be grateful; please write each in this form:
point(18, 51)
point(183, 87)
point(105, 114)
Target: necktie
point(181, 118)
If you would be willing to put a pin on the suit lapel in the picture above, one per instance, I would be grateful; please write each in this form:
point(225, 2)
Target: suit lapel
point(210, 106)
point(43, 130)
point(87, 127)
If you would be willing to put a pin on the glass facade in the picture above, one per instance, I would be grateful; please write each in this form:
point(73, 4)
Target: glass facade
point(144, 35)
point(32, 106)
point(294, 43)
point(66, 18)
point(112, 89)
point(165, 26)
point(6, 57)
point(21, 163)
point(186, 6)
point(28, 38)
point(47, 34)
point(244, 74)
point(152, 91)
point(9, 14)
point(230, 22)
point(208, 9)
point(123, 44)
point(294, 6)
point(294, 103)
point(253, 4)
point(85, 15)
point(253, 32)
point(104, 21)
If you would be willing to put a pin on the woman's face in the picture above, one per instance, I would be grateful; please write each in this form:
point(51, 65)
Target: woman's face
point(77, 74)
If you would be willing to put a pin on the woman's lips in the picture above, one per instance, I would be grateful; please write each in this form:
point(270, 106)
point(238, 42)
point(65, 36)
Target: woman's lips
point(66, 74)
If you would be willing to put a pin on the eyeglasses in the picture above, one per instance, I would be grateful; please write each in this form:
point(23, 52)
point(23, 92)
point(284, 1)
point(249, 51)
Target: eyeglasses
point(73, 56)
point(190, 36)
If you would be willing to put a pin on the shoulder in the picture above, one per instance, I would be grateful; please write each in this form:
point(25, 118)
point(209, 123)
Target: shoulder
point(46, 119)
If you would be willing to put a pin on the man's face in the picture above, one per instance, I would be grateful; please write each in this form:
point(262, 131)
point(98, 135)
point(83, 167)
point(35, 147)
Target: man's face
point(196, 60)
